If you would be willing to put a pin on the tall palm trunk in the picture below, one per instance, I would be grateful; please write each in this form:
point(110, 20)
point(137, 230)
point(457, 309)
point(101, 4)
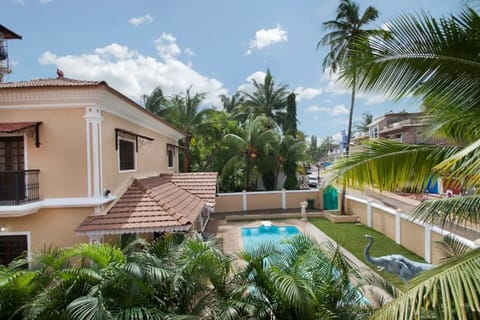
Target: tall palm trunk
point(347, 146)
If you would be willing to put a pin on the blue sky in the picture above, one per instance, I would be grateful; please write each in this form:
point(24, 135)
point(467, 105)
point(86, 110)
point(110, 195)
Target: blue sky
point(215, 46)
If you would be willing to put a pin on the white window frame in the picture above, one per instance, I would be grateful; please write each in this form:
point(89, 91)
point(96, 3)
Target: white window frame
point(134, 154)
point(172, 149)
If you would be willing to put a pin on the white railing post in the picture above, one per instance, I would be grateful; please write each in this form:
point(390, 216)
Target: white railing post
point(369, 213)
point(244, 200)
point(398, 213)
point(284, 199)
point(428, 243)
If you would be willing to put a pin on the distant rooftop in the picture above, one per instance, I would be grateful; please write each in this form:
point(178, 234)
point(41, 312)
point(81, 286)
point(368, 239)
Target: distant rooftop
point(9, 34)
point(51, 82)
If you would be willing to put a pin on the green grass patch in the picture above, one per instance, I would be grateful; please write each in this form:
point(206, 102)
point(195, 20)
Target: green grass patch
point(352, 237)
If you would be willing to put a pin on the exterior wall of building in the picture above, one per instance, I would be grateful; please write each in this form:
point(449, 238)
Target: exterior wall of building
point(151, 158)
point(49, 227)
point(61, 156)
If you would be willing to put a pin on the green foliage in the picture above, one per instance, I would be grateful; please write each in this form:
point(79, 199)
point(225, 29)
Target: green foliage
point(436, 60)
point(185, 278)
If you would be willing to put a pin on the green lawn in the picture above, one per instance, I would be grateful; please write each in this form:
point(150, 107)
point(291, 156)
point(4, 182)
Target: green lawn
point(351, 237)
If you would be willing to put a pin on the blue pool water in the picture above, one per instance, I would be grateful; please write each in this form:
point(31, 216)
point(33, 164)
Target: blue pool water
point(252, 237)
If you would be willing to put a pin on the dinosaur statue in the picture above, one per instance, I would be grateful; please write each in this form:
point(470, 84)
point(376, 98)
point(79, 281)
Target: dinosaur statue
point(397, 264)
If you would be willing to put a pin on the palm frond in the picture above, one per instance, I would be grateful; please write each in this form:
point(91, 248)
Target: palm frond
point(451, 246)
point(451, 291)
point(390, 165)
point(455, 210)
point(427, 57)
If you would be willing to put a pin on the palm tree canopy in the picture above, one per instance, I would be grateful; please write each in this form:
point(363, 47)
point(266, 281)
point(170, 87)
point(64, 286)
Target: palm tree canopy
point(433, 58)
point(437, 60)
point(346, 31)
point(267, 99)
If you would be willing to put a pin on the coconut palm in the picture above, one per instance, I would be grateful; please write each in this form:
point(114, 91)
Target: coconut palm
point(297, 280)
point(347, 32)
point(155, 102)
point(183, 112)
point(435, 60)
point(231, 103)
point(254, 142)
point(267, 100)
point(367, 118)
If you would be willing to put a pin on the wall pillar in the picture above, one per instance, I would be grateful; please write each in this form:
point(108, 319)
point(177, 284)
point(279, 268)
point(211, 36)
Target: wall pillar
point(369, 213)
point(284, 199)
point(93, 122)
point(244, 201)
point(397, 226)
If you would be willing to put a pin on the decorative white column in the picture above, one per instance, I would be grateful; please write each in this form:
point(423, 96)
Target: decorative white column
point(398, 213)
point(369, 213)
point(284, 199)
point(93, 121)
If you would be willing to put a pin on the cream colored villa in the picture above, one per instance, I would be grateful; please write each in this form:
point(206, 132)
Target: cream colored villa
point(81, 162)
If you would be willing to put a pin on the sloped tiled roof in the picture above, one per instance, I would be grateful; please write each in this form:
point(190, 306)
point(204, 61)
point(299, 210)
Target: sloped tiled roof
point(50, 82)
point(155, 204)
point(201, 184)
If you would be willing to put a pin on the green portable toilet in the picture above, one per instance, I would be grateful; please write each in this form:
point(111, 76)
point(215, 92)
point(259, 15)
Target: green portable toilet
point(330, 198)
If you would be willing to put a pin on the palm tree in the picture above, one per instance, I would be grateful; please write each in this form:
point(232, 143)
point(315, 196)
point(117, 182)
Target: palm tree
point(367, 118)
point(231, 103)
point(253, 143)
point(436, 60)
point(155, 102)
point(347, 31)
point(300, 281)
point(267, 100)
point(182, 110)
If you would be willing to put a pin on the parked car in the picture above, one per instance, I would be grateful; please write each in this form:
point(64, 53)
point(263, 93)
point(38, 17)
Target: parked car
point(312, 181)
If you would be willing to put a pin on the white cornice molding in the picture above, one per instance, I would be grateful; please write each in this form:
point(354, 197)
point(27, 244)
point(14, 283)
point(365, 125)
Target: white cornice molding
point(75, 97)
point(33, 207)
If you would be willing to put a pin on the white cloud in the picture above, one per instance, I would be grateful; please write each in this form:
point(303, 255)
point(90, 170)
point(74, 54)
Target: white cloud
point(134, 74)
point(45, 1)
point(336, 87)
point(189, 52)
point(166, 46)
point(115, 51)
point(307, 93)
point(258, 76)
point(19, 2)
point(136, 21)
point(267, 37)
point(337, 110)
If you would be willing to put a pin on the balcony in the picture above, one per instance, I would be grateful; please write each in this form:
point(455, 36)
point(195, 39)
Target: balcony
point(19, 187)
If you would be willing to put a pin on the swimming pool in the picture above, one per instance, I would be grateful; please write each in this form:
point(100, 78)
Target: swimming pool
point(252, 237)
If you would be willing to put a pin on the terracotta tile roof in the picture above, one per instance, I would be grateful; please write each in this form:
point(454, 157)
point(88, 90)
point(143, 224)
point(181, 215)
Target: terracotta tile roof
point(201, 184)
point(153, 204)
point(10, 127)
point(50, 82)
